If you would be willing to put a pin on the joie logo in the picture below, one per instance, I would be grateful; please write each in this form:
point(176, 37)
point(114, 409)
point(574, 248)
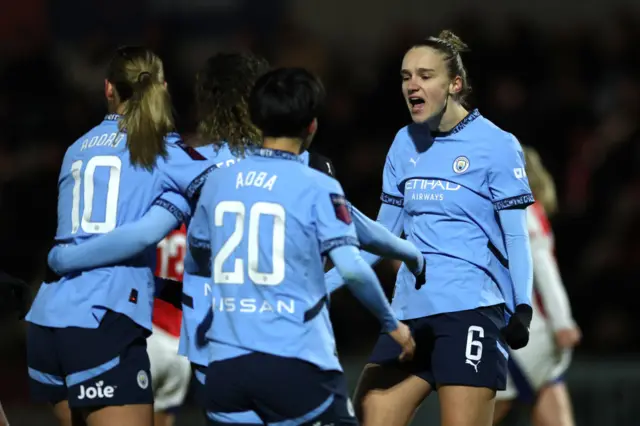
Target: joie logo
point(97, 391)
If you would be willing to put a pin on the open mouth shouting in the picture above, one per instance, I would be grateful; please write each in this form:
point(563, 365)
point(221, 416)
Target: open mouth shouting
point(417, 104)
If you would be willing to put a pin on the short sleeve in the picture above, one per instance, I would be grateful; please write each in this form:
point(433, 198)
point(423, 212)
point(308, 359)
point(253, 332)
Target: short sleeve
point(321, 164)
point(390, 192)
point(176, 204)
point(508, 183)
point(186, 169)
point(333, 219)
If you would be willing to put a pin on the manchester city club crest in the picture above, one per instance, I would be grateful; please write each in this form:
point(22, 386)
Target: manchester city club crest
point(143, 379)
point(461, 164)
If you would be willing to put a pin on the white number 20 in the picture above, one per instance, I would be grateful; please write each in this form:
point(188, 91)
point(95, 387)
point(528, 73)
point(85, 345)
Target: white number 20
point(236, 276)
point(471, 343)
point(113, 189)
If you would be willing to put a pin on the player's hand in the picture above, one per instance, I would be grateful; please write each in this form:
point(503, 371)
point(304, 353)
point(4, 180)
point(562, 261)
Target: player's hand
point(52, 258)
point(421, 277)
point(516, 333)
point(402, 335)
point(567, 338)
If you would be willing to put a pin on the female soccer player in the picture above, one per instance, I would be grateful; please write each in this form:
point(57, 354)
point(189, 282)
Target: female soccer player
point(224, 133)
point(536, 370)
point(86, 341)
point(261, 227)
point(455, 183)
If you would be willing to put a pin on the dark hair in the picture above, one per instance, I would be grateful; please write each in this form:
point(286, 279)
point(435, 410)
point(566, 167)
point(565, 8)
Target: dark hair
point(450, 45)
point(222, 94)
point(138, 78)
point(285, 101)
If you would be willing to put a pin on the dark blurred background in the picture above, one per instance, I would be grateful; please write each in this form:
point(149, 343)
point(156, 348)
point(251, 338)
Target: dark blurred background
point(563, 76)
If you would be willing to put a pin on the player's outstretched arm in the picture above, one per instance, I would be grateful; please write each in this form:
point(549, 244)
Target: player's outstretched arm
point(514, 226)
point(378, 240)
point(554, 296)
point(389, 217)
point(549, 284)
point(365, 286)
point(122, 243)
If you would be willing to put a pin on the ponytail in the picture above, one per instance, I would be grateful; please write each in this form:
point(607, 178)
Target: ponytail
point(147, 114)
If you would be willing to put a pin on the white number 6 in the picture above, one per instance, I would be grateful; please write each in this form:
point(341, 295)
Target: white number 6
point(471, 343)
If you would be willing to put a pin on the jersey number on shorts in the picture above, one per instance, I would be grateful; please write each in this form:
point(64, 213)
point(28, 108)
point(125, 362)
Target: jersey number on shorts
point(474, 347)
point(236, 276)
point(114, 164)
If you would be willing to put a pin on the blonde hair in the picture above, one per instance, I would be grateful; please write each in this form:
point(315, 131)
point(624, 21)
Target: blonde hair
point(540, 181)
point(138, 77)
point(450, 46)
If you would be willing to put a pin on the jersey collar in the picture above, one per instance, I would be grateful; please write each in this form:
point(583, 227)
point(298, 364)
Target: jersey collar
point(275, 153)
point(458, 127)
point(112, 117)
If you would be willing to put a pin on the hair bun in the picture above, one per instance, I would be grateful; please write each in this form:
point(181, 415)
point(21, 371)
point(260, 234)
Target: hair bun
point(456, 43)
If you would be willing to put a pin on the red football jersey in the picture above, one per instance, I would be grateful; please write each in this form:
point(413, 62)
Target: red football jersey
point(170, 264)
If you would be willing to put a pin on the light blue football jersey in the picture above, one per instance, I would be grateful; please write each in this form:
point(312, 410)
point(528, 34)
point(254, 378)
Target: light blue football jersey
point(98, 190)
point(268, 220)
point(451, 186)
point(197, 288)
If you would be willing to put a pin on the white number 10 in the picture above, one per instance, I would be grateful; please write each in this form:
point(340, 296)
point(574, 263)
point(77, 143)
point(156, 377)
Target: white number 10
point(236, 276)
point(113, 189)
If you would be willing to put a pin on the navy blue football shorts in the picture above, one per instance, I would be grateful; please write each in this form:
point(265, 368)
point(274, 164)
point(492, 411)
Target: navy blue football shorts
point(247, 418)
point(104, 366)
point(279, 390)
point(462, 348)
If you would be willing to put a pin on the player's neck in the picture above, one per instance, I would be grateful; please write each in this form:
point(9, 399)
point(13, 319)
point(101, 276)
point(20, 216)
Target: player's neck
point(291, 145)
point(114, 108)
point(453, 114)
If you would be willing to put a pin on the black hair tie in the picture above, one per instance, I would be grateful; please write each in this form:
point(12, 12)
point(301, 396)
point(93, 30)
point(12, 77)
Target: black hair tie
point(144, 77)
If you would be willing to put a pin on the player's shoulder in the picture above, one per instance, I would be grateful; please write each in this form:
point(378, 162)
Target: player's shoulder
point(86, 137)
point(405, 135)
point(178, 149)
point(490, 136)
point(93, 141)
point(320, 163)
point(321, 181)
point(220, 153)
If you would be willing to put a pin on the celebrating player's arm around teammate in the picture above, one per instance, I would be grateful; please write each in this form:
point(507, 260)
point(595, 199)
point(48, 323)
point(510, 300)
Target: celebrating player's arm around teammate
point(225, 131)
point(86, 341)
point(455, 183)
point(268, 220)
point(536, 370)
